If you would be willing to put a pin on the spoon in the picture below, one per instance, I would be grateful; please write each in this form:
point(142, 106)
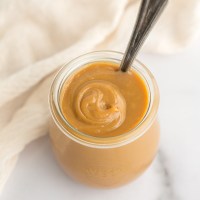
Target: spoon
point(149, 12)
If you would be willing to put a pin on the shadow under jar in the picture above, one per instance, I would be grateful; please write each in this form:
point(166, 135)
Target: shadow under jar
point(103, 161)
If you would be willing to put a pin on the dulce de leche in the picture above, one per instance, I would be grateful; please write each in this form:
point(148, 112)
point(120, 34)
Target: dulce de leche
point(104, 130)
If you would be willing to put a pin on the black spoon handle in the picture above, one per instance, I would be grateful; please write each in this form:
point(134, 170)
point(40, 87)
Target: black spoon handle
point(149, 12)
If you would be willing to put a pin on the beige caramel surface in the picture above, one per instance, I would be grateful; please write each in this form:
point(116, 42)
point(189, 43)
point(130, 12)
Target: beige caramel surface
point(102, 101)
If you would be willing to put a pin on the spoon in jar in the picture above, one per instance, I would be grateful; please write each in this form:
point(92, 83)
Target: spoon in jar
point(149, 12)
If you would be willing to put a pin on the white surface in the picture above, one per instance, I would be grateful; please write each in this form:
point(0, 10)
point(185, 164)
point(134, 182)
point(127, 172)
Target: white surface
point(174, 175)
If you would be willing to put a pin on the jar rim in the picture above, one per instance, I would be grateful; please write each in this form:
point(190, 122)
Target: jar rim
point(102, 142)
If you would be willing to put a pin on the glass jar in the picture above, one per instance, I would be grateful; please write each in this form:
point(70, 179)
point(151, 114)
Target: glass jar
point(104, 162)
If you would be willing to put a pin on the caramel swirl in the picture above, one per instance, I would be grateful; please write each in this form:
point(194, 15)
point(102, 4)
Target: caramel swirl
point(100, 104)
point(101, 101)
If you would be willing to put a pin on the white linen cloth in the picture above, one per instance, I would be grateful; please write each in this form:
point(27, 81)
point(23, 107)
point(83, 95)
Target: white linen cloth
point(36, 37)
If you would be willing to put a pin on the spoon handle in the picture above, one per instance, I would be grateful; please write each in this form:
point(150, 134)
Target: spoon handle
point(149, 12)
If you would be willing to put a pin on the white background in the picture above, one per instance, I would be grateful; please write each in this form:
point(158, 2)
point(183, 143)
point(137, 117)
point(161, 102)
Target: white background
point(175, 174)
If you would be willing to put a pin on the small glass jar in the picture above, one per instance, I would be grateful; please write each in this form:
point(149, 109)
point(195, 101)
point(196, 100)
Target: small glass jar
point(104, 162)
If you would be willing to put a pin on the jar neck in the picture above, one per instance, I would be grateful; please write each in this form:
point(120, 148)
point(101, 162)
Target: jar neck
point(91, 141)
